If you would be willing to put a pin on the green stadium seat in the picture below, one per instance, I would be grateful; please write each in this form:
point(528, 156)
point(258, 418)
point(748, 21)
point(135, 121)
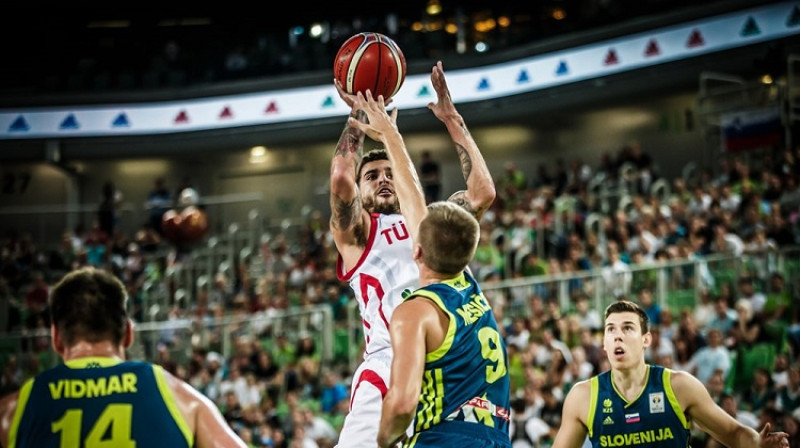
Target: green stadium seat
point(759, 355)
point(680, 299)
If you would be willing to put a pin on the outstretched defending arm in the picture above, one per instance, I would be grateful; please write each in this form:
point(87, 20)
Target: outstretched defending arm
point(480, 192)
point(705, 412)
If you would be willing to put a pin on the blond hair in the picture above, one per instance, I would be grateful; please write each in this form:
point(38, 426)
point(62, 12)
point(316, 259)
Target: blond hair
point(449, 236)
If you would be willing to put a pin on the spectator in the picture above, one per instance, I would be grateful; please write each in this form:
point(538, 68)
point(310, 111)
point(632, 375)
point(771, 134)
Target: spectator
point(747, 330)
point(107, 211)
point(659, 347)
point(650, 306)
point(589, 316)
point(761, 395)
point(36, 300)
point(159, 201)
point(748, 292)
point(724, 319)
point(789, 395)
point(730, 404)
point(333, 391)
point(710, 358)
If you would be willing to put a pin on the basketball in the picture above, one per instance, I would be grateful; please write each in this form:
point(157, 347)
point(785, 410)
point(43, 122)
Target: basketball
point(193, 224)
point(370, 61)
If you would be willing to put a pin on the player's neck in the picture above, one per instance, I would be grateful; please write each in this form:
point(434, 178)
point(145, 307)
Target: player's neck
point(427, 276)
point(84, 349)
point(630, 381)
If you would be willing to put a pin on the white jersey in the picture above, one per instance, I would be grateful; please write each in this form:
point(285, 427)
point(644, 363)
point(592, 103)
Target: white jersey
point(386, 269)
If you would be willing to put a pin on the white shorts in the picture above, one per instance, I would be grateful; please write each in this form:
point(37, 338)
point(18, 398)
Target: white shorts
point(370, 384)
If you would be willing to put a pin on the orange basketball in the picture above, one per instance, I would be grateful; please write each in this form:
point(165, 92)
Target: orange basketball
point(193, 224)
point(370, 61)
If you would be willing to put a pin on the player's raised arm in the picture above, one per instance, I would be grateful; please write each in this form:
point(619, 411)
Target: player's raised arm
point(382, 127)
point(480, 192)
point(346, 207)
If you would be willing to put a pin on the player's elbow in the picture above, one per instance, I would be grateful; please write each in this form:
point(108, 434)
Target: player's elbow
point(488, 194)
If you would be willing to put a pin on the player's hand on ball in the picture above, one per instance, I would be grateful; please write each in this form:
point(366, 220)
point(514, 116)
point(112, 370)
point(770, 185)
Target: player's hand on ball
point(379, 122)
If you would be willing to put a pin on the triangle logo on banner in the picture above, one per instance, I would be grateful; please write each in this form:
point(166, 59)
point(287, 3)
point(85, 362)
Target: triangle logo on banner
point(611, 57)
point(484, 84)
point(19, 125)
point(182, 117)
point(121, 121)
point(652, 49)
point(562, 69)
point(226, 113)
point(327, 103)
point(273, 108)
point(794, 17)
point(523, 77)
point(695, 39)
point(424, 91)
point(750, 28)
point(69, 123)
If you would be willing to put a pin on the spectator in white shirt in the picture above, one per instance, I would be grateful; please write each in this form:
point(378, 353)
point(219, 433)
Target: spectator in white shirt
point(711, 358)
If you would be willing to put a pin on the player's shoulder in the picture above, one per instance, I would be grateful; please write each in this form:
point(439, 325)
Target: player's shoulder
point(582, 389)
point(684, 385)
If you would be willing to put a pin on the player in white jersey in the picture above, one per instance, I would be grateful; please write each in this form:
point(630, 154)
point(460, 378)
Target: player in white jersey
point(375, 248)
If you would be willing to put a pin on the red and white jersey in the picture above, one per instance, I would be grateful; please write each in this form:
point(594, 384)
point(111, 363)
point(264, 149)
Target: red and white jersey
point(386, 269)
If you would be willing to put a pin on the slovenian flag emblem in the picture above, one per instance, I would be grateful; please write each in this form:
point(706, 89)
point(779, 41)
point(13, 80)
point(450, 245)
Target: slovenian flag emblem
point(632, 418)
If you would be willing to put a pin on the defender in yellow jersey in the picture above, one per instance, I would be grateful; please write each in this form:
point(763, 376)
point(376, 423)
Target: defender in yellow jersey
point(449, 373)
point(96, 398)
point(636, 404)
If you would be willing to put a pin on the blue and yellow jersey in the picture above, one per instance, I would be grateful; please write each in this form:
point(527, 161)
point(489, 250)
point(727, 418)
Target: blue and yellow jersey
point(654, 419)
point(466, 379)
point(93, 402)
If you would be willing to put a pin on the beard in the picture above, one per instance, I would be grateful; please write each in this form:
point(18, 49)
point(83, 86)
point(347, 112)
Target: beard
point(383, 207)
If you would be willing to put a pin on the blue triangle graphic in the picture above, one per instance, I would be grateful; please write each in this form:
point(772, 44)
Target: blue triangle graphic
point(19, 125)
point(328, 102)
point(121, 121)
point(484, 84)
point(523, 77)
point(794, 17)
point(750, 28)
point(424, 91)
point(69, 123)
point(562, 68)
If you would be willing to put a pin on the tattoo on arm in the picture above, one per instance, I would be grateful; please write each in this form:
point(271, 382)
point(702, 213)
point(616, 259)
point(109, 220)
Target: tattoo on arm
point(460, 199)
point(345, 214)
point(351, 138)
point(466, 161)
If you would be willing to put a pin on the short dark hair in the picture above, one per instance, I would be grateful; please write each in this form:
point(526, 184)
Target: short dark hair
point(371, 156)
point(89, 304)
point(626, 306)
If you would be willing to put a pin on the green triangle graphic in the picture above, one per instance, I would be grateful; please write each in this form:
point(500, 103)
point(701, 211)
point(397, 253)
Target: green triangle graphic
point(424, 91)
point(328, 102)
point(794, 17)
point(750, 28)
